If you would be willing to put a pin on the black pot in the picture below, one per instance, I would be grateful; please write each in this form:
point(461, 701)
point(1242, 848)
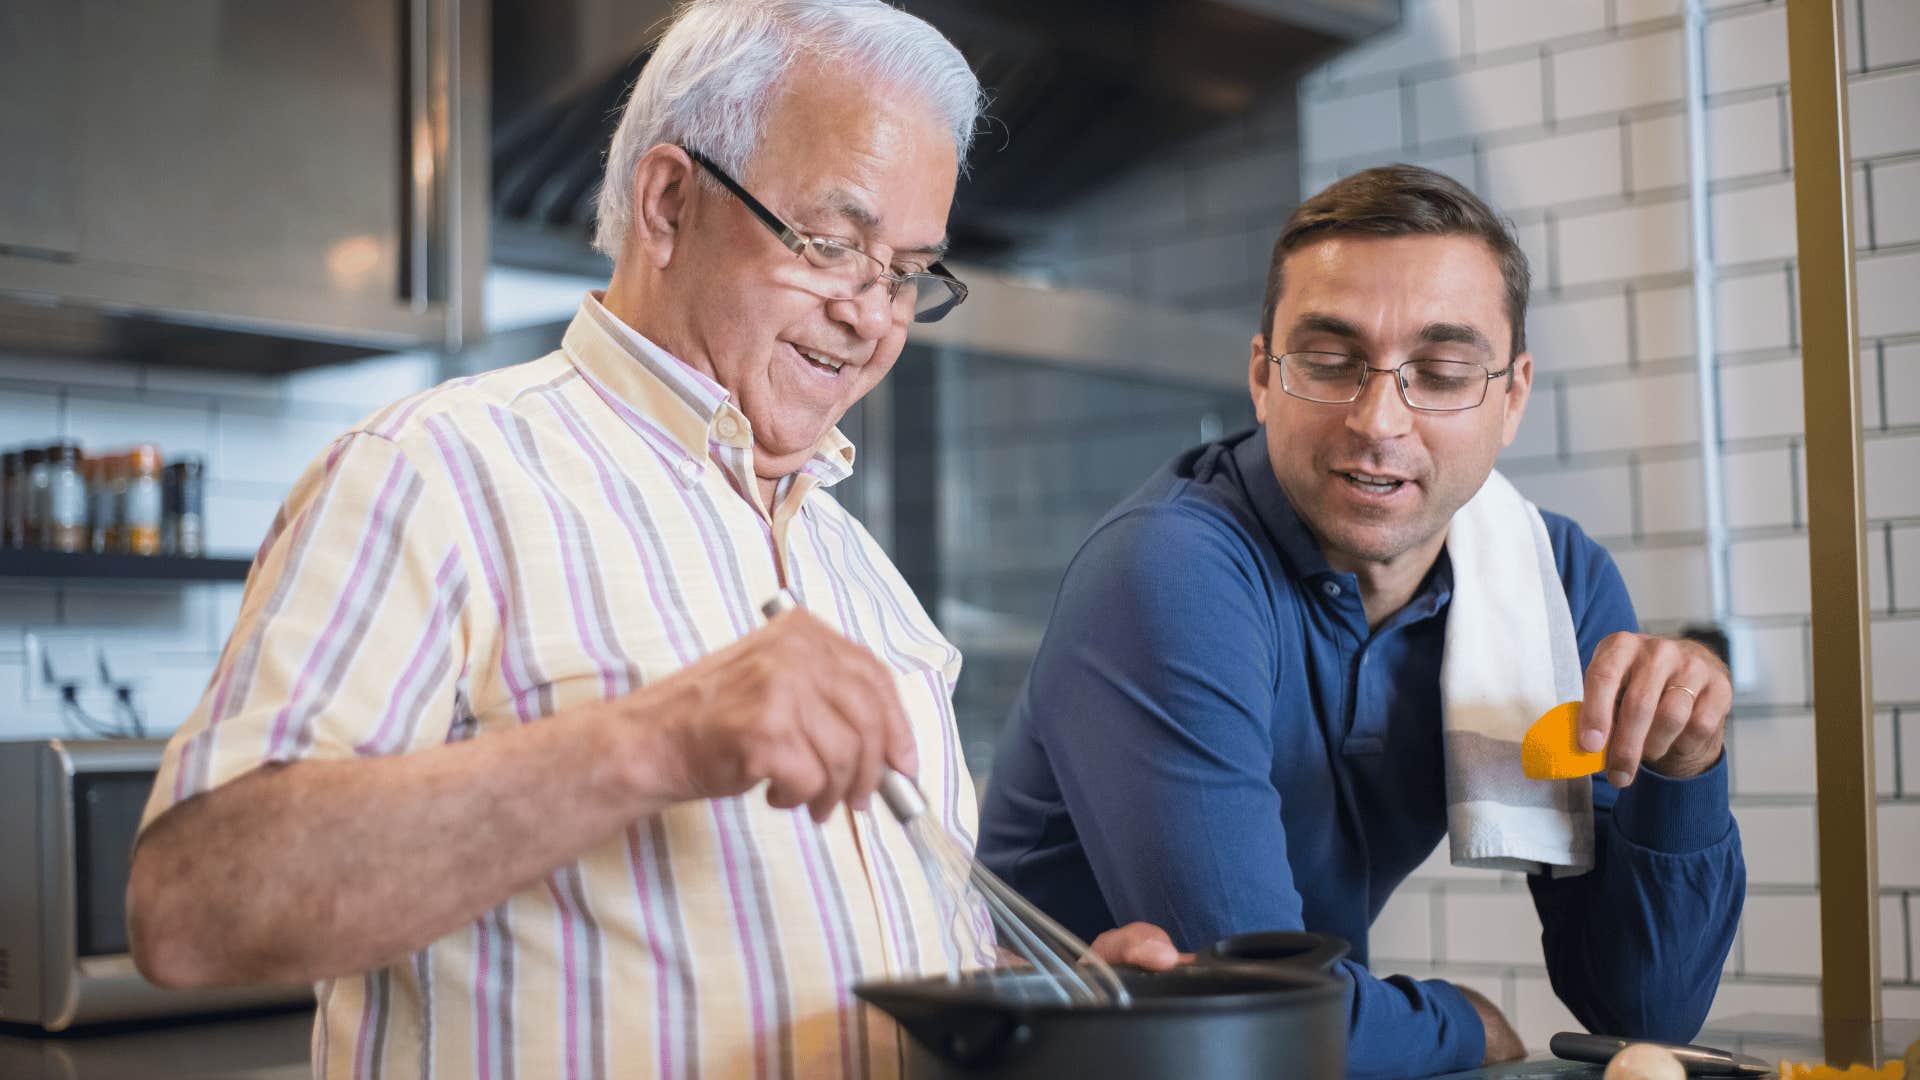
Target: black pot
point(1254, 1006)
point(1296, 947)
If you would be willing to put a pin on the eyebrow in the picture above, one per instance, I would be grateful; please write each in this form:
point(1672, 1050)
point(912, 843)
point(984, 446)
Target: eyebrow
point(1438, 333)
point(1446, 333)
point(1314, 322)
point(842, 204)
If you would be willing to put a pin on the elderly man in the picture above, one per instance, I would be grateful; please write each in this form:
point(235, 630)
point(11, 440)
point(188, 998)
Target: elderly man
point(481, 757)
point(1265, 694)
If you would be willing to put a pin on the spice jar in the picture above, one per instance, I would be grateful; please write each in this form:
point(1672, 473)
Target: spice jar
point(12, 478)
point(183, 501)
point(105, 496)
point(63, 500)
point(137, 493)
point(27, 497)
point(97, 472)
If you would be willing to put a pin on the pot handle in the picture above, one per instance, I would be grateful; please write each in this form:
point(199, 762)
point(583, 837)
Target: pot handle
point(969, 1036)
point(1291, 948)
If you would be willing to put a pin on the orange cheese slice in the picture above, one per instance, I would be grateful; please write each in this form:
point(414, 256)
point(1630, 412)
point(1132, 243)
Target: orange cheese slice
point(1549, 751)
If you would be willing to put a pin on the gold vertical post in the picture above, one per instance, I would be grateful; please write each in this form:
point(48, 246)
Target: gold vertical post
point(1836, 534)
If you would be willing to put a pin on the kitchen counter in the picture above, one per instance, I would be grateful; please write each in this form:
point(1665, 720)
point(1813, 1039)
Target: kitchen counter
point(1769, 1037)
point(274, 1047)
point(271, 1046)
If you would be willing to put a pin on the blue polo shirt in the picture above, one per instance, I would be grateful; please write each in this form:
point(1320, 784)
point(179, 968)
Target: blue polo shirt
point(1211, 739)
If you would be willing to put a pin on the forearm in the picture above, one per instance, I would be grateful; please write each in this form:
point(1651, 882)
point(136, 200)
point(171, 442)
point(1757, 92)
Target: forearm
point(1636, 946)
point(314, 869)
point(1401, 1027)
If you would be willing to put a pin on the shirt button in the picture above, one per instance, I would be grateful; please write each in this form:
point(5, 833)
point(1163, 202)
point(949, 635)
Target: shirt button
point(689, 470)
point(1331, 588)
point(726, 427)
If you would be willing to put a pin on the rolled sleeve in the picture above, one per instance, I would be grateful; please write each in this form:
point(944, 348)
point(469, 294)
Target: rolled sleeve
point(1675, 816)
point(349, 637)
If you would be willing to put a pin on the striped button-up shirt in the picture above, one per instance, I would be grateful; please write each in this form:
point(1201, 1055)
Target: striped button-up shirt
point(504, 547)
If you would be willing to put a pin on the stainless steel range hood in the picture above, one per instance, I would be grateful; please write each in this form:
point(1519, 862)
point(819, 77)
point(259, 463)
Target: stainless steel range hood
point(1081, 89)
point(230, 184)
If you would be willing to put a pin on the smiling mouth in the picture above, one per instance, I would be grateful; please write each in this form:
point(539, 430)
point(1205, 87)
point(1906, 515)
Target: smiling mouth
point(1372, 485)
point(820, 361)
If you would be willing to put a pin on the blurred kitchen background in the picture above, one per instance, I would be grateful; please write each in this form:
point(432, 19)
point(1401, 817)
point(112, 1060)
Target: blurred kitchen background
point(231, 230)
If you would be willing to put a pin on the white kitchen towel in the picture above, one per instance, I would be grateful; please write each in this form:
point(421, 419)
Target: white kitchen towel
point(1511, 655)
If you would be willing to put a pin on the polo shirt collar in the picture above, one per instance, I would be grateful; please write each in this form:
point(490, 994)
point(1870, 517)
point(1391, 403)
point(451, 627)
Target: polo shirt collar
point(1300, 548)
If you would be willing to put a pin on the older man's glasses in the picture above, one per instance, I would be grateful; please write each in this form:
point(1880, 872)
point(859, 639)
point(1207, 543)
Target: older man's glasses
point(840, 271)
point(1426, 385)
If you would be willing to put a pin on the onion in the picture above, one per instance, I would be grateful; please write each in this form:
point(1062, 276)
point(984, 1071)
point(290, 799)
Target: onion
point(1645, 1061)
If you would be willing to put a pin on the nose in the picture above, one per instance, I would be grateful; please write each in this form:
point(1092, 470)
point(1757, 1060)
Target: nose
point(1380, 413)
point(869, 314)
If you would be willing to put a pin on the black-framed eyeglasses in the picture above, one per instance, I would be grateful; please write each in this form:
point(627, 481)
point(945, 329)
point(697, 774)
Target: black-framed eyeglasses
point(1426, 385)
point(844, 271)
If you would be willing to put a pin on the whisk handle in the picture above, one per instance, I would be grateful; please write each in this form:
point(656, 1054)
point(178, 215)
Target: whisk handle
point(902, 796)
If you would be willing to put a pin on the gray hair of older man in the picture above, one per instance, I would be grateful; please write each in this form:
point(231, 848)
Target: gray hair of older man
point(713, 74)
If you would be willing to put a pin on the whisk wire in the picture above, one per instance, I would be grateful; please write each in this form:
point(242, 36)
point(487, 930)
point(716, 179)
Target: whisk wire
point(1070, 970)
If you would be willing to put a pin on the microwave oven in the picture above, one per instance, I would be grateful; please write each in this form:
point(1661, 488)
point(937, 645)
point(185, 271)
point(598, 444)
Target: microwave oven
point(69, 813)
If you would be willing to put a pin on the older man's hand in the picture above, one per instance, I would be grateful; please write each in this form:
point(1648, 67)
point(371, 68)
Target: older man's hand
point(1655, 701)
point(794, 704)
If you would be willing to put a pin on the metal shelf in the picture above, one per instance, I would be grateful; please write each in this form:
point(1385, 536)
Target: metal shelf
point(88, 566)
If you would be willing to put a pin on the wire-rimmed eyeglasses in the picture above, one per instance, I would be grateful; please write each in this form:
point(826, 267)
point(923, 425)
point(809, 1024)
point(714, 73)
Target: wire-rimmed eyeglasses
point(1425, 385)
point(845, 271)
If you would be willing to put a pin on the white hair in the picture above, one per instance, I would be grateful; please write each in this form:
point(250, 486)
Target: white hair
point(712, 75)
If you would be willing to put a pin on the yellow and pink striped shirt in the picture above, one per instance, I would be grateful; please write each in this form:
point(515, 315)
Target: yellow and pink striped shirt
point(500, 548)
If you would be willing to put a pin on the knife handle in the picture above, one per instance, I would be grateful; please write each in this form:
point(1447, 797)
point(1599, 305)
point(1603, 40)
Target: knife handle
point(1599, 1049)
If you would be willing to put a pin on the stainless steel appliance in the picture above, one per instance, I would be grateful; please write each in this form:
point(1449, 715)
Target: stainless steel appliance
point(290, 184)
point(69, 812)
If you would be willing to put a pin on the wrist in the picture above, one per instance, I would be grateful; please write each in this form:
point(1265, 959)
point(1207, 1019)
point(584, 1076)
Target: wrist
point(636, 734)
point(1677, 766)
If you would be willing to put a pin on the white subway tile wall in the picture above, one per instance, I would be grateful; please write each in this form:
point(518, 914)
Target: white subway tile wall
point(1896, 203)
point(1670, 495)
point(1595, 174)
point(1478, 101)
point(1754, 223)
point(1575, 334)
point(1556, 170)
point(1613, 245)
point(1886, 766)
point(255, 433)
point(1753, 310)
point(1751, 480)
point(1637, 70)
point(1662, 322)
point(1761, 401)
point(1770, 752)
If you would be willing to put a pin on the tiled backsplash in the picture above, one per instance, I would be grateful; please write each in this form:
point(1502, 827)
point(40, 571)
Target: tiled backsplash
point(1570, 116)
point(255, 433)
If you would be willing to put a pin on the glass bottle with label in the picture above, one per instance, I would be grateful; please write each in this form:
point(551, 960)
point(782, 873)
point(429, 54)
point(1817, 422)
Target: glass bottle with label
point(63, 500)
point(13, 473)
point(98, 472)
point(27, 496)
point(183, 520)
point(140, 502)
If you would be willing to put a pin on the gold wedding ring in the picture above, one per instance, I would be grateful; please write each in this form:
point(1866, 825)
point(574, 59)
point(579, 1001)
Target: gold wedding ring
point(1682, 689)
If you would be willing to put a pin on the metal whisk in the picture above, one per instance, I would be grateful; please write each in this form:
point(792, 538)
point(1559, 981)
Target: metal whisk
point(1071, 972)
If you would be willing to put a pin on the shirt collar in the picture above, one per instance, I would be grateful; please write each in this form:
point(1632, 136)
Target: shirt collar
point(670, 401)
point(1301, 548)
